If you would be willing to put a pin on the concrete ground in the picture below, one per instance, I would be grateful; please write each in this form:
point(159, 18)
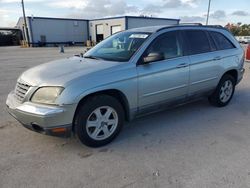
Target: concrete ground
point(192, 146)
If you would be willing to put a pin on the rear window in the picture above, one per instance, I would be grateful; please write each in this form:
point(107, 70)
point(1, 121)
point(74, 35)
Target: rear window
point(198, 42)
point(221, 41)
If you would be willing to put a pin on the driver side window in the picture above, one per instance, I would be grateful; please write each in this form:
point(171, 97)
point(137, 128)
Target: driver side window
point(167, 44)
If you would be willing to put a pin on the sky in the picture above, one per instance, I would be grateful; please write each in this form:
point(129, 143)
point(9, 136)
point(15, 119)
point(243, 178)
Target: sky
point(222, 11)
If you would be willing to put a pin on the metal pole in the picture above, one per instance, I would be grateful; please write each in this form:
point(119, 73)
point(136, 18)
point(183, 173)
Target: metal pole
point(25, 24)
point(208, 11)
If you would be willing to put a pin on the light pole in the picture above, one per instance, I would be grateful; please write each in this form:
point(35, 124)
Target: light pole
point(25, 24)
point(208, 11)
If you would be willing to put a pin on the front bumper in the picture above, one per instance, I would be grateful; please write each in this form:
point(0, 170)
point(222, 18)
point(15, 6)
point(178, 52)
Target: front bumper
point(44, 119)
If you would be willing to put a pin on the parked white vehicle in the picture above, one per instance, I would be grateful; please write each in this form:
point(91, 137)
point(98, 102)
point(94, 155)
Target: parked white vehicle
point(243, 39)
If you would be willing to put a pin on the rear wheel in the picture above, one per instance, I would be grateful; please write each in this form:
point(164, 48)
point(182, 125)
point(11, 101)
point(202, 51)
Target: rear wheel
point(99, 120)
point(224, 91)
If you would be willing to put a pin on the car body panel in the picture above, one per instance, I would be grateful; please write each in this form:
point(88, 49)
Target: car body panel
point(204, 72)
point(162, 81)
point(63, 72)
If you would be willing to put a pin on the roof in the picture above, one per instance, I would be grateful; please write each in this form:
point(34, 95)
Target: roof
point(149, 29)
point(153, 29)
point(108, 18)
point(50, 18)
point(138, 17)
point(8, 28)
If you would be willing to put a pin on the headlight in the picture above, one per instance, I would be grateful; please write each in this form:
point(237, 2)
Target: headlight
point(46, 95)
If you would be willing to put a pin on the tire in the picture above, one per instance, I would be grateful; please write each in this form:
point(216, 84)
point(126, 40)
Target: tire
point(99, 120)
point(224, 91)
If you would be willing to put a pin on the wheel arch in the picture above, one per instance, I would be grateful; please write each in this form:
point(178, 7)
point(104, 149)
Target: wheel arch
point(233, 73)
point(120, 96)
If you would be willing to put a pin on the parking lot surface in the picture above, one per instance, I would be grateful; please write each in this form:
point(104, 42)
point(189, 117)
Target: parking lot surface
point(195, 145)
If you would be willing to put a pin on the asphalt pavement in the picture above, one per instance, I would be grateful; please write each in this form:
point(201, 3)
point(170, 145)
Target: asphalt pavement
point(192, 146)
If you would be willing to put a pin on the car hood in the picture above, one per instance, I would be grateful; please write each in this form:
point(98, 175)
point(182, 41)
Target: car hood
point(60, 72)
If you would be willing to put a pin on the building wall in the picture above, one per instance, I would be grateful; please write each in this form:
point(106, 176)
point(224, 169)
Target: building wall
point(134, 22)
point(20, 25)
point(58, 30)
point(107, 24)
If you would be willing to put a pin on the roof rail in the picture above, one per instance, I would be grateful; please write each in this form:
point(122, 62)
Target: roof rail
point(180, 24)
point(219, 26)
point(199, 24)
point(195, 25)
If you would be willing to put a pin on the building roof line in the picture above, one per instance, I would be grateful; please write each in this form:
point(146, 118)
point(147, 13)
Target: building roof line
point(52, 18)
point(8, 28)
point(108, 18)
point(140, 17)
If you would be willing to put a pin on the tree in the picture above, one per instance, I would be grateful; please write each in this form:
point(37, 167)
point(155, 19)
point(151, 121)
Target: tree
point(239, 29)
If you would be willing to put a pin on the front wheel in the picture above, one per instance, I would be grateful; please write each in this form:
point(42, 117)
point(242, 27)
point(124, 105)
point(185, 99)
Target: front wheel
point(224, 91)
point(99, 120)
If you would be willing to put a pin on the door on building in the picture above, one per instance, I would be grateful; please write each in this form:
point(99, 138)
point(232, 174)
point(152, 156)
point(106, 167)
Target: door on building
point(42, 41)
point(115, 29)
point(99, 33)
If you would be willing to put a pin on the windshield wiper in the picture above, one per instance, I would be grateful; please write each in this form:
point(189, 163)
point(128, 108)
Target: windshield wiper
point(79, 55)
point(91, 57)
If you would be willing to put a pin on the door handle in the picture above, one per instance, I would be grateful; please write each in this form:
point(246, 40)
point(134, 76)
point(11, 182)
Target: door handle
point(217, 58)
point(182, 65)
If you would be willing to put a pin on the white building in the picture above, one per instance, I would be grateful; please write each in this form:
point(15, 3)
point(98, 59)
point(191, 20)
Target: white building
point(100, 29)
point(50, 31)
point(54, 31)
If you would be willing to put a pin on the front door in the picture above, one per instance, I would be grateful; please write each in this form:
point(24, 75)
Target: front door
point(165, 80)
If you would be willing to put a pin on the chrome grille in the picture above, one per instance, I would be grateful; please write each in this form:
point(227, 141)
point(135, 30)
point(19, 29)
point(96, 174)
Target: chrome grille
point(21, 90)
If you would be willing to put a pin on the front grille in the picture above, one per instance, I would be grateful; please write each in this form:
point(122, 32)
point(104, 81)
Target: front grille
point(21, 90)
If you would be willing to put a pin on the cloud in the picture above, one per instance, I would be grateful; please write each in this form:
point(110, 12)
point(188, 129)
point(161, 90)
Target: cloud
point(192, 19)
point(5, 18)
point(172, 3)
point(104, 8)
point(191, 3)
point(159, 7)
point(19, 1)
point(101, 8)
point(219, 14)
point(240, 13)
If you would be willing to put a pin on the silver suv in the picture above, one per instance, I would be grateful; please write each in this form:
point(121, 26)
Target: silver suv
point(129, 74)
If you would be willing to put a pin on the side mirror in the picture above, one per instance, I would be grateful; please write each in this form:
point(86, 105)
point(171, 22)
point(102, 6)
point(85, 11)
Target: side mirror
point(152, 57)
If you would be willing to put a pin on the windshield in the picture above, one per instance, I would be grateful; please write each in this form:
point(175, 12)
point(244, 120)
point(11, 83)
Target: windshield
point(119, 47)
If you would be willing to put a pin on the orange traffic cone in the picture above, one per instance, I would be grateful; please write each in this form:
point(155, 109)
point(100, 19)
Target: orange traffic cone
point(248, 53)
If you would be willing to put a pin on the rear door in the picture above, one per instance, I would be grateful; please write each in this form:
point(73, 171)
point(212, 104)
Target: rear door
point(226, 51)
point(204, 69)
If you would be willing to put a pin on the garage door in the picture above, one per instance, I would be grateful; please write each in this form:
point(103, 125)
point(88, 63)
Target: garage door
point(115, 29)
